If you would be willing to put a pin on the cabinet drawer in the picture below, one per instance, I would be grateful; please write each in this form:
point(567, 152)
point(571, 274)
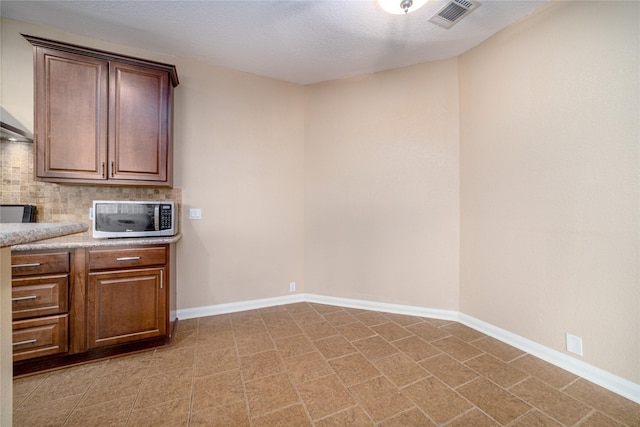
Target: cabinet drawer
point(40, 337)
point(39, 296)
point(126, 258)
point(38, 264)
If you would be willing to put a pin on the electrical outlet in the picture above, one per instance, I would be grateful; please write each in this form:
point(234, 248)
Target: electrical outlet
point(574, 344)
point(91, 214)
point(195, 213)
point(292, 286)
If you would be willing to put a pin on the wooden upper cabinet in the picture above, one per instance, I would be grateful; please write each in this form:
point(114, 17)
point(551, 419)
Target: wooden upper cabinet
point(71, 115)
point(102, 117)
point(138, 123)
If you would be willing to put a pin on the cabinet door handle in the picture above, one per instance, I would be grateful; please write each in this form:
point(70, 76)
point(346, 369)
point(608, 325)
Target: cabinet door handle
point(33, 264)
point(103, 170)
point(112, 167)
point(31, 341)
point(161, 280)
point(24, 298)
point(128, 258)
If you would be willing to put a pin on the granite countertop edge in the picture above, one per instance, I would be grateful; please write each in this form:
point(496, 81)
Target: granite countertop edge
point(84, 240)
point(23, 234)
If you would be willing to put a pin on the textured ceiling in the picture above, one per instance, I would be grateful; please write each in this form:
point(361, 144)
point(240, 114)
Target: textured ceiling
point(304, 41)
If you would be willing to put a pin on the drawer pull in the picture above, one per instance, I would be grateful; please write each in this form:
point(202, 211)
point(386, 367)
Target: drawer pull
point(24, 298)
point(128, 258)
point(31, 341)
point(33, 264)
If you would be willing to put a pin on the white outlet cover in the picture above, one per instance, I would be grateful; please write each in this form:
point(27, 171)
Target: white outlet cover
point(574, 344)
point(195, 213)
point(292, 286)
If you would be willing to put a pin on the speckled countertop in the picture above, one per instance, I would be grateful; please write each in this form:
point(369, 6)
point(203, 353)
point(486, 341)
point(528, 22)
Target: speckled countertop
point(85, 240)
point(22, 234)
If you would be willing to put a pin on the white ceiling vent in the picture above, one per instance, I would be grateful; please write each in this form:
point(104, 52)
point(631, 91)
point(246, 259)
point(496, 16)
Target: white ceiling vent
point(452, 12)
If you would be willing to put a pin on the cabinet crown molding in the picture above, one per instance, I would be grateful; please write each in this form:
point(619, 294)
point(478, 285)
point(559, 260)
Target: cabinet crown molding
point(104, 55)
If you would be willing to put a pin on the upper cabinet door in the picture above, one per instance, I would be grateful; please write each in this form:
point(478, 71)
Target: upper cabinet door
point(71, 115)
point(139, 123)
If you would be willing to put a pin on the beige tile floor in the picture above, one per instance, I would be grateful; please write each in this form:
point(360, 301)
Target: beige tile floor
point(308, 364)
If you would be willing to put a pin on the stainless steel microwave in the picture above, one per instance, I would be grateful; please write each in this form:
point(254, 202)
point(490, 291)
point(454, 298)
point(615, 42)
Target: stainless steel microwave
point(133, 219)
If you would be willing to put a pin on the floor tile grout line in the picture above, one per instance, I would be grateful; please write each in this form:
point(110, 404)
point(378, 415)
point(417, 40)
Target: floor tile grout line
point(301, 401)
point(531, 403)
point(135, 400)
point(527, 414)
point(542, 380)
point(333, 374)
point(347, 388)
point(313, 422)
point(526, 378)
point(191, 388)
point(133, 404)
point(507, 389)
point(193, 379)
point(66, 420)
point(584, 402)
point(382, 374)
point(404, 412)
point(561, 390)
point(333, 414)
point(190, 411)
point(495, 384)
point(523, 353)
point(480, 374)
point(589, 414)
point(244, 383)
point(473, 405)
point(566, 386)
point(463, 414)
point(28, 395)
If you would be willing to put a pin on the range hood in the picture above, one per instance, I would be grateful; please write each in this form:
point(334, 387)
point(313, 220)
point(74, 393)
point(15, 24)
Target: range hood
point(11, 130)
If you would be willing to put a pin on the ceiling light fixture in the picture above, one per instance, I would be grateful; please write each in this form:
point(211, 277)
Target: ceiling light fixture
point(399, 7)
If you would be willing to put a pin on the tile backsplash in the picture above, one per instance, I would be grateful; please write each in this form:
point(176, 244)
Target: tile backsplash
point(62, 202)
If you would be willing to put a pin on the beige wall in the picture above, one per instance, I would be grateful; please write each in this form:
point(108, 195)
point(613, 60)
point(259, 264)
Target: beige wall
point(382, 188)
point(241, 156)
point(238, 156)
point(549, 123)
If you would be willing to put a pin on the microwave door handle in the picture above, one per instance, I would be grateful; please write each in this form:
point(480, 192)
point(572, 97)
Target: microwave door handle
point(156, 217)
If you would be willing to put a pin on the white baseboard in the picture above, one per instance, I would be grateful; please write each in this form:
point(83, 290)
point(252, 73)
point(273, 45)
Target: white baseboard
point(582, 369)
point(384, 307)
point(210, 310)
point(589, 372)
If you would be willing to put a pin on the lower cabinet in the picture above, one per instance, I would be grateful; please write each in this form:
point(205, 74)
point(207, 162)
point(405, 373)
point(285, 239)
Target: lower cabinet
point(125, 305)
point(83, 304)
